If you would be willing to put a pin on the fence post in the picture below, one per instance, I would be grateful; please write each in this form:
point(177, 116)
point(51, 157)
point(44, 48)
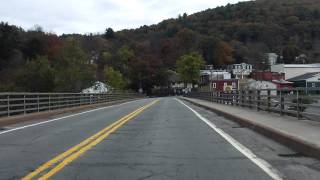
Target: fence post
point(59, 101)
point(242, 98)
point(258, 100)
point(281, 103)
point(8, 105)
point(298, 105)
point(49, 102)
point(38, 103)
point(250, 99)
point(269, 100)
point(24, 104)
point(231, 97)
point(237, 98)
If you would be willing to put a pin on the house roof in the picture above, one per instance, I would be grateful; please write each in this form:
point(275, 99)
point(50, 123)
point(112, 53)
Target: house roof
point(281, 81)
point(225, 80)
point(304, 76)
point(317, 65)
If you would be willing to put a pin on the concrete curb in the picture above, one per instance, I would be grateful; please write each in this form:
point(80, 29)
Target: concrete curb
point(294, 143)
point(5, 121)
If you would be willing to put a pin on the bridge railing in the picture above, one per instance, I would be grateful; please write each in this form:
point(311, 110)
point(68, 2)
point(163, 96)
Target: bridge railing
point(24, 103)
point(301, 103)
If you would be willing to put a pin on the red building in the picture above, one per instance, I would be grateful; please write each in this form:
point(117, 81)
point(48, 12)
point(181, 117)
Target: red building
point(274, 77)
point(267, 76)
point(225, 84)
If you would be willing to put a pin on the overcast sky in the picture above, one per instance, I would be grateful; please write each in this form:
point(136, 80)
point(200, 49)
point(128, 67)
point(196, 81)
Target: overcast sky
point(85, 16)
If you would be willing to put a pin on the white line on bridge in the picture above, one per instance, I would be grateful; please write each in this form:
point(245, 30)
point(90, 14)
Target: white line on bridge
point(264, 165)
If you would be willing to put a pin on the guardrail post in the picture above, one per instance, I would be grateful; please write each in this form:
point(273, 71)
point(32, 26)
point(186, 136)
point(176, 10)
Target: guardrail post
point(298, 105)
point(8, 105)
point(38, 103)
point(250, 99)
point(24, 104)
point(237, 98)
point(269, 100)
point(242, 98)
point(258, 99)
point(231, 98)
point(59, 101)
point(281, 103)
point(49, 102)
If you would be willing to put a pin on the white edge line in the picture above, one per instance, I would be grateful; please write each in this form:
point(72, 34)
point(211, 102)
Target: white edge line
point(264, 165)
point(64, 117)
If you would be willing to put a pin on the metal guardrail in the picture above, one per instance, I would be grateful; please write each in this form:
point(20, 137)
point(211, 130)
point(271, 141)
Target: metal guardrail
point(24, 103)
point(301, 103)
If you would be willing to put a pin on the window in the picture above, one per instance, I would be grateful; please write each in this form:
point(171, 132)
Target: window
point(225, 84)
point(313, 85)
point(214, 85)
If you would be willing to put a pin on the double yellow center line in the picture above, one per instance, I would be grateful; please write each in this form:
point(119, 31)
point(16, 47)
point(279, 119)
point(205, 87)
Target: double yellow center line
point(54, 165)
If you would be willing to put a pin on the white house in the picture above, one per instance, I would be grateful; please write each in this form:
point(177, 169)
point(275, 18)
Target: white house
point(215, 74)
point(264, 86)
point(293, 70)
point(98, 87)
point(240, 71)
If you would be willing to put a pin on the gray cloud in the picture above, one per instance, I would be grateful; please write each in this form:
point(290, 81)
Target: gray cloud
point(75, 16)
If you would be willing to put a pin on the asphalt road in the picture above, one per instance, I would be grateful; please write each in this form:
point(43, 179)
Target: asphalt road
point(165, 140)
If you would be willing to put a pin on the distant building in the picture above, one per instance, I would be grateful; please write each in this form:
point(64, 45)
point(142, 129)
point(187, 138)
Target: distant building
point(267, 76)
point(240, 71)
point(209, 75)
point(275, 78)
point(294, 70)
point(271, 58)
point(308, 80)
point(301, 59)
point(176, 85)
point(225, 85)
point(98, 87)
point(264, 86)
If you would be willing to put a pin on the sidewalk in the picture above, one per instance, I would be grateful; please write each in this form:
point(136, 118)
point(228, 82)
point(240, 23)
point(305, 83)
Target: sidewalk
point(300, 135)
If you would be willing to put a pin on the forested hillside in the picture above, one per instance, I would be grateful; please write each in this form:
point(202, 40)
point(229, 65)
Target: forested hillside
point(37, 61)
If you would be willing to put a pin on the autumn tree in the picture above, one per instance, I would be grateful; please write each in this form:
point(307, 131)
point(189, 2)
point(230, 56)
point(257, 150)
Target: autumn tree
point(290, 52)
point(37, 76)
point(72, 68)
point(109, 34)
point(124, 55)
point(223, 54)
point(102, 61)
point(188, 67)
point(114, 78)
